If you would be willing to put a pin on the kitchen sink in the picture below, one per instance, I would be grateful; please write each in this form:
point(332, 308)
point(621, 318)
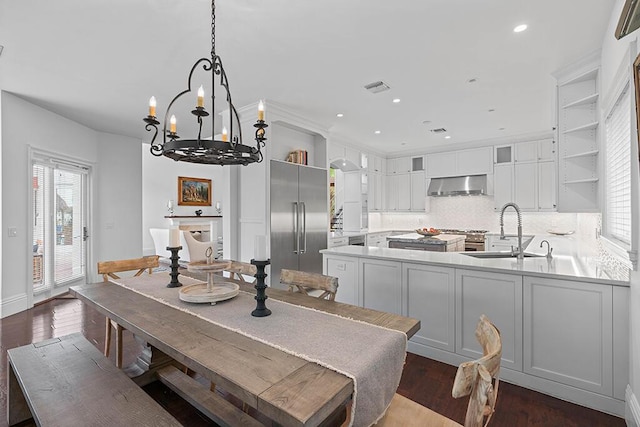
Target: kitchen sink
point(498, 255)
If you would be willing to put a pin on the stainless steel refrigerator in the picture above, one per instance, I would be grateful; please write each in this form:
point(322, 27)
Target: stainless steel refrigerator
point(299, 218)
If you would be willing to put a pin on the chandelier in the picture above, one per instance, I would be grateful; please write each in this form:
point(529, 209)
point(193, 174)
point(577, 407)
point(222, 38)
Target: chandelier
point(229, 150)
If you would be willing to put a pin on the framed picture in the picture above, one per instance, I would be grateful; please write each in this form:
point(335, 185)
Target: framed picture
point(194, 191)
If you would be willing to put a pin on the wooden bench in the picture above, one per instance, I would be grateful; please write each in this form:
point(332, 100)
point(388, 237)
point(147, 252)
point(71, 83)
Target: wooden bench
point(67, 381)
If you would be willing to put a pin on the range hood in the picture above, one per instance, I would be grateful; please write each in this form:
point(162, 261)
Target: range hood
point(458, 186)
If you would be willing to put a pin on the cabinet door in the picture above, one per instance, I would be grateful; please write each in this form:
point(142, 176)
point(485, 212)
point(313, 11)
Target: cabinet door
point(441, 164)
point(346, 270)
point(392, 166)
point(403, 165)
point(378, 192)
point(418, 191)
point(526, 151)
point(503, 154)
point(547, 186)
point(568, 333)
point(499, 297)
point(392, 196)
point(404, 191)
point(381, 283)
point(525, 191)
point(502, 185)
point(475, 161)
point(546, 150)
point(429, 293)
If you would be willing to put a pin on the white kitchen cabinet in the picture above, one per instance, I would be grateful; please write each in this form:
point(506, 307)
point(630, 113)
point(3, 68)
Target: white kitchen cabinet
point(547, 200)
point(499, 297)
point(399, 165)
point(376, 164)
point(503, 154)
point(546, 150)
point(525, 186)
point(404, 192)
point(474, 161)
point(533, 151)
point(376, 192)
point(346, 269)
point(381, 283)
point(429, 296)
point(418, 191)
point(503, 184)
point(568, 333)
point(335, 242)
point(391, 193)
point(378, 240)
point(441, 164)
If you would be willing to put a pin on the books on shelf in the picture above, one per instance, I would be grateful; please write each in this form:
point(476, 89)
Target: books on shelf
point(297, 156)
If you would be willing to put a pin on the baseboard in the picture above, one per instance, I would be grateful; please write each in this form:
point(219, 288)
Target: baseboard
point(13, 305)
point(632, 409)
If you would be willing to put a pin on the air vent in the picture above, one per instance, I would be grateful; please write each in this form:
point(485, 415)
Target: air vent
point(438, 130)
point(377, 87)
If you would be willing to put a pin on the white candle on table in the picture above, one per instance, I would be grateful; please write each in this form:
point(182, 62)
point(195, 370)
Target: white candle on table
point(260, 248)
point(174, 237)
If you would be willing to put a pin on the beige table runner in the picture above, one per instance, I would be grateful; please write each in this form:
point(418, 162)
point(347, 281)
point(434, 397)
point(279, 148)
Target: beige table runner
point(372, 356)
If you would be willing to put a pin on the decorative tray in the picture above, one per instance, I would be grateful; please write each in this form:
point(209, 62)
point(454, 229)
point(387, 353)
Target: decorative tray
point(200, 293)
point(427, 233)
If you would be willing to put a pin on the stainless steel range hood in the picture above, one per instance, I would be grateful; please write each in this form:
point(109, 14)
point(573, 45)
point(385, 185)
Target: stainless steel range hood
point(458, 186)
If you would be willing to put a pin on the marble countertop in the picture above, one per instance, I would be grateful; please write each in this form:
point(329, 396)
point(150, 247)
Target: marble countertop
point(565, 267)
point(440, 239)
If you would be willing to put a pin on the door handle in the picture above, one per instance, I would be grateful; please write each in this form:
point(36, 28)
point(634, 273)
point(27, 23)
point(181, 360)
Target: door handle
point(304, 228)
point(85, 234)
point(296, 228)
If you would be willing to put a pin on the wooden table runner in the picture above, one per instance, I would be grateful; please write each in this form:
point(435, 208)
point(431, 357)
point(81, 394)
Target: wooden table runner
point(372, 356)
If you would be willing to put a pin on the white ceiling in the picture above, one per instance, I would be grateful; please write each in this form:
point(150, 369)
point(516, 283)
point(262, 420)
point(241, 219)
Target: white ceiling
point(98, 62)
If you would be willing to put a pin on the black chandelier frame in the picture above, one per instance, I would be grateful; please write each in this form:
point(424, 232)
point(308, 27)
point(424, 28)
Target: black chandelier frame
point(208, 151)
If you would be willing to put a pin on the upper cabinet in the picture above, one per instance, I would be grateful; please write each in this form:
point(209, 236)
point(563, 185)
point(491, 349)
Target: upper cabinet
point(578, 146)
point(475, 161)
point(533, 151)
point(399, 165)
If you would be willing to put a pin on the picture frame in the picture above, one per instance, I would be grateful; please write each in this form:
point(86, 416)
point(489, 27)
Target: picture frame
point(194, 191)
point(636, 81)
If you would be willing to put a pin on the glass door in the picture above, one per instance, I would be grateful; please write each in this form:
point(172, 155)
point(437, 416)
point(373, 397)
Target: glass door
point(59, 227)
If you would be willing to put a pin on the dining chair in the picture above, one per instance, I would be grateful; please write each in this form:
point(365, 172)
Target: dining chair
point(478, 378)
point(300, 281)
point(108, 269)
point(240, 269)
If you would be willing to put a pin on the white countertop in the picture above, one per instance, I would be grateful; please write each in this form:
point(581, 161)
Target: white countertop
point(559, 267)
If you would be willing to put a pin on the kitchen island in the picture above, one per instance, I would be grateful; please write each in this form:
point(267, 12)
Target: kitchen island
point(563, 321)
point(438, 243)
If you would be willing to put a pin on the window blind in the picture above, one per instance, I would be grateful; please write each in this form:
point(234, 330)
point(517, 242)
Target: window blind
point(617, 186)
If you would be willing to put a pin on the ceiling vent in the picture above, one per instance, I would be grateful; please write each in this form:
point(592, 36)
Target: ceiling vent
point(438, 130)
point(377, 87)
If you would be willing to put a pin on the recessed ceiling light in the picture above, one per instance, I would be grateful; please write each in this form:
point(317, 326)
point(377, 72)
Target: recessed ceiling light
point(396, 100)
point(339, 115)
point(520, 28)
point(447, 137)
point(377, 132)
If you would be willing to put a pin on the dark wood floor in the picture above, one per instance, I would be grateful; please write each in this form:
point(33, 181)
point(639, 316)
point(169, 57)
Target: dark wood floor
point(424, 380)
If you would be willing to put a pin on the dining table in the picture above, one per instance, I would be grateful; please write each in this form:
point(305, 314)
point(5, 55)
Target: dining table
point(300, 366)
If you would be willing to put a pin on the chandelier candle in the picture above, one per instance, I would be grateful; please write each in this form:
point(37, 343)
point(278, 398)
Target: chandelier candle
point(200, 97)
point(152, 106)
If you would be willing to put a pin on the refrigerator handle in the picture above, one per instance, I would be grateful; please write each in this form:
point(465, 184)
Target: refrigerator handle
point(296, 229)
point(304, 228)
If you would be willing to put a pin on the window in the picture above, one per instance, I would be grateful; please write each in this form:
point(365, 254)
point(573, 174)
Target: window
point(617, 184)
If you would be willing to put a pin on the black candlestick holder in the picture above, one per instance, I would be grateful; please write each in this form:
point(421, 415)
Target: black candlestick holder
point(261, 309)
point(174, 267)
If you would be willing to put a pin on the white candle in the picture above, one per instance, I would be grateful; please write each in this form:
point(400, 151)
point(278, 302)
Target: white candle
point(174, 237)
point(260, 110)
point(200, 102)
point(260, 248)
point(152, 106)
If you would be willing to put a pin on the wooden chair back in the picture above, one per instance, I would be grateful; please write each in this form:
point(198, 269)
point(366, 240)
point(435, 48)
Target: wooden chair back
point(240, 269)
point(108, 269)
point(479, 378)
point(302, 282)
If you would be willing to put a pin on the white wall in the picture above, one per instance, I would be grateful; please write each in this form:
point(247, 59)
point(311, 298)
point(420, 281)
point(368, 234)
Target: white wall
point(160, 183)
point(25, 124)
point(613, 53)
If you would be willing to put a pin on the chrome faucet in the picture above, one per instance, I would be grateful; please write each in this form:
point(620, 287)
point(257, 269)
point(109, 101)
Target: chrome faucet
point(549, 248)
point(520, 253)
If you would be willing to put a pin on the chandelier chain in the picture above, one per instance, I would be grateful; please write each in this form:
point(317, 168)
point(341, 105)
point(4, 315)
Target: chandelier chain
point(213, 29)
